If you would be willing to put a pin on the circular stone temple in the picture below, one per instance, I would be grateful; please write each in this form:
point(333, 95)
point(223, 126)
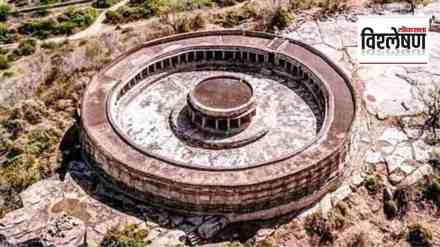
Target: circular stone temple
point(233, 123)
point(223, 105)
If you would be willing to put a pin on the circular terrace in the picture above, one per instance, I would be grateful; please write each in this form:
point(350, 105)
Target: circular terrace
point(242, 124)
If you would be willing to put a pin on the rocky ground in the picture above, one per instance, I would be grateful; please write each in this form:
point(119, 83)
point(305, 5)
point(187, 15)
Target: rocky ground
point(74, 208)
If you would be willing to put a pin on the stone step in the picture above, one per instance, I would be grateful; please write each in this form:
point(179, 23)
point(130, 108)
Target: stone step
point(276, 43)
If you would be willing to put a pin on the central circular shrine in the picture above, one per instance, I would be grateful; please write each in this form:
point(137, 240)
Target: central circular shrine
point(222, 105)
point(240, 124)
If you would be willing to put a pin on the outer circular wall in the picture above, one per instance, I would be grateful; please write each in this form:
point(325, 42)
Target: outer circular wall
point(265, 190)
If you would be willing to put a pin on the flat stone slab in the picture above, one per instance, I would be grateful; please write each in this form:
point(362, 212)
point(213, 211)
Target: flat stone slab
point(285, 121)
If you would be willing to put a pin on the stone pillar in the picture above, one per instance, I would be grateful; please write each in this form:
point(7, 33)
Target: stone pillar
point(203, 122)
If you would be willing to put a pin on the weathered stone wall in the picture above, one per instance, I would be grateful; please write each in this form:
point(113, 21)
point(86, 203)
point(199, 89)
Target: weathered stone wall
point(303, 188)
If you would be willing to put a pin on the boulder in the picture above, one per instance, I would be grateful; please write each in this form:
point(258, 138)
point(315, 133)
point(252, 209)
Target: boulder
point(340, 194)
point(211, 227)
point(421, 172)
point(65, 231)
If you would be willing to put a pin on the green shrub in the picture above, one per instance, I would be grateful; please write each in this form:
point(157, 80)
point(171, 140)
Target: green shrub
point(226, 3)
point(128, 236)
point(128, 14)
point(280, 19)
point(46, 2)
point(402, 198)
point(5, 11)
point(338, 216)
point(432, 191)
point(14, 127)
point(65, 23)
point(33, 111)
point(113, 17)
point(103, 3)
point(390, 209)
point(20, 171)
point(3, 51)
point(317, 225)
point(232, 18)
point(4, 62)
point(419, 235)
point(42, 12)
point(8, 74)
point(26, 47)
point(374, 183)
point(161, 7)
point(6, 35)
point(49, 45)
point(235, 17)
point(183, 24)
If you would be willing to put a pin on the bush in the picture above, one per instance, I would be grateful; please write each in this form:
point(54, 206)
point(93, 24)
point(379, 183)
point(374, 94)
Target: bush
point(338, 216)
point(5, 11)
point(226, 3)
point(49, 45)
point(66, 23)
point(4, 63)
point(42, 12)
point(183, 24)
point(103, 3)
point(374, 184)
point(26, 47)
point(20, 171)
point(315, 224)
point(8, 74)
point(128, 14)
point(38, 28)
point(419, 235)
point(113, 17)
point(402, 198)
point(231, 19)
point(390, 209)
point(47, 2)
point(33, 111)
point(6, 35)
point(432, 191)
point(235, 17)
point(128, 236)
point(280, 19)
point(161, 7)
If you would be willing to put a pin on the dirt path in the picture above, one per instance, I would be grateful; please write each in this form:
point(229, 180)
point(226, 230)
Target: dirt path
point(92, 30)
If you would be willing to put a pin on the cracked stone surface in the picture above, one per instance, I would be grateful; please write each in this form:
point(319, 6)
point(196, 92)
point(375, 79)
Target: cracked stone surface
point(285, 108)
point(400, 153)
point(70, 212)
point(389, 90)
